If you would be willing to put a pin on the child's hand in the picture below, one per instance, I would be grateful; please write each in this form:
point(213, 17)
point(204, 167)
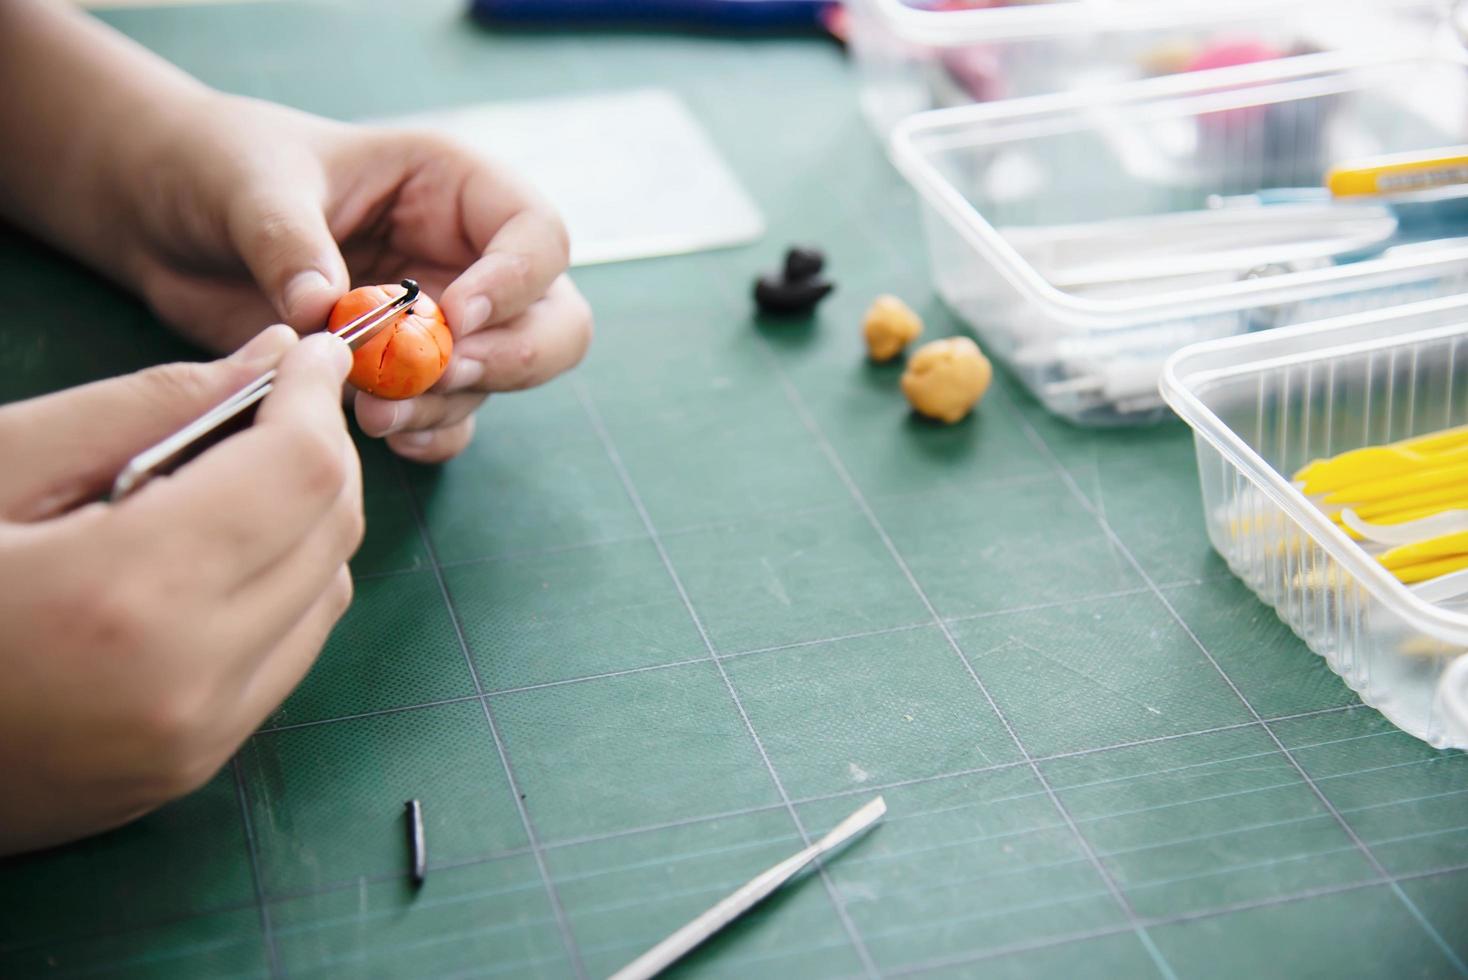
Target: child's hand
point(239, 198)
point(144, 641)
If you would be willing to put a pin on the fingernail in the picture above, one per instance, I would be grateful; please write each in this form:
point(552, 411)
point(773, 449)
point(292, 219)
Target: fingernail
point(300, 288)
point(416, 440)
point(476, 313)
point(398, 417)
point(331, 350)
point(265, 348)
point(464, 372)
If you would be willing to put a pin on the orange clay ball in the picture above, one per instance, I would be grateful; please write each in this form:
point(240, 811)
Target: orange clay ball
point(408, 355)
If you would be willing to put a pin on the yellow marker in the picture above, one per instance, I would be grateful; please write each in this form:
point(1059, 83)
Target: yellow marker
point(1399, 173)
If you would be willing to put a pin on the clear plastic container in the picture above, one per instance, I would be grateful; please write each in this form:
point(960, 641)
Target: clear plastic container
point(912, 56)
point(1262, 406)
point(1068, 230)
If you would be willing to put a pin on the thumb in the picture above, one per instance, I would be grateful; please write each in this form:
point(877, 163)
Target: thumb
point(70, 445)
point(285, 242)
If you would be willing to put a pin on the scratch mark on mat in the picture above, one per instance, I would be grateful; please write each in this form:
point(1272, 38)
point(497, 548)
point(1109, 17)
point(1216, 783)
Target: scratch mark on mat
point(1101, 685)
point(775, 587)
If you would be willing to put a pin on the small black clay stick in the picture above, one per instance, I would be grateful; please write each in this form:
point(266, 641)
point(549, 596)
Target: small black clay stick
point(416, 844)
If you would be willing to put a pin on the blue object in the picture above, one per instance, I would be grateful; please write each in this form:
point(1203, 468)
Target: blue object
point(741, 15)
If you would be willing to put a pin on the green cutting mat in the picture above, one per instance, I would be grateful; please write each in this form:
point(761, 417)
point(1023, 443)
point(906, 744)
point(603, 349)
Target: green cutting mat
point(676, 613)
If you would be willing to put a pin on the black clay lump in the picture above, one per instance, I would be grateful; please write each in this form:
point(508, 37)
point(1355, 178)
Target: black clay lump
point(798, 287)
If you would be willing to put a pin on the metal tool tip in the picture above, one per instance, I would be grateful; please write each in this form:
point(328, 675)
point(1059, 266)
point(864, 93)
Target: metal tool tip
point(872, 811)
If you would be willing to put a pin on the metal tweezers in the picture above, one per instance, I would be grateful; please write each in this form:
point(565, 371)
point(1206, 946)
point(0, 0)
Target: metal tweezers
point(236, 411)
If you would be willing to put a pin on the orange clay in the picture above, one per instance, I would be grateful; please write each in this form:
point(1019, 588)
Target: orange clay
point(410, 353)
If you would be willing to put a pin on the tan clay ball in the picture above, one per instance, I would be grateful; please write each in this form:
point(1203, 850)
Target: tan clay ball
point(946, 378)
point(889, 326)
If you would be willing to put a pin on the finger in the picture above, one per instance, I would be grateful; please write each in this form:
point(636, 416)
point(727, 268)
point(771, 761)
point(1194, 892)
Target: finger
point(85, 435)
point(259, 613)
point(217, 313)
point(238, 709)
point(379, 417)
point(550, 338)
point(523, 253)
point(308, 385)
point(251, 499)
point(433, 445)
point(277, 672)
point(287, 663)
point(283, 238)
point(331, 540)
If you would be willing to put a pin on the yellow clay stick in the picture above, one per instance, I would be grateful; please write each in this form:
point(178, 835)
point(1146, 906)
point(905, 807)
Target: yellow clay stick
point(1395, 484)
point(1442, 546)
point(1399, 173)
point(1423, 571)
point(1404, 516)
point(1373, 462)
point(1456, 494)
point(1431, 444)
point(1389, 486)
point(1436, 442)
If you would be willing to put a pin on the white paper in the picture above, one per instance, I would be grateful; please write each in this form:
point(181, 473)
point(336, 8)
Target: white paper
point(633, 173)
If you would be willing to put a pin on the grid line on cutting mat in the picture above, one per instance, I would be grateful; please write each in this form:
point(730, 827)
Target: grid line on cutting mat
point(568, 939)
point(797, 403)
point(356, 882)
point(1200, 914)
point(589, 407)
point(1228, 908)
point(731, 655)
point(1153, 883)
point(1050, 903)
point(883, 787)
point(924, 780)
point(650, 668)
point(262, 907)
point(1066, 478)
point(1081, 936)
point(510, 554)
point(514, 554)
point(1056, 941)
